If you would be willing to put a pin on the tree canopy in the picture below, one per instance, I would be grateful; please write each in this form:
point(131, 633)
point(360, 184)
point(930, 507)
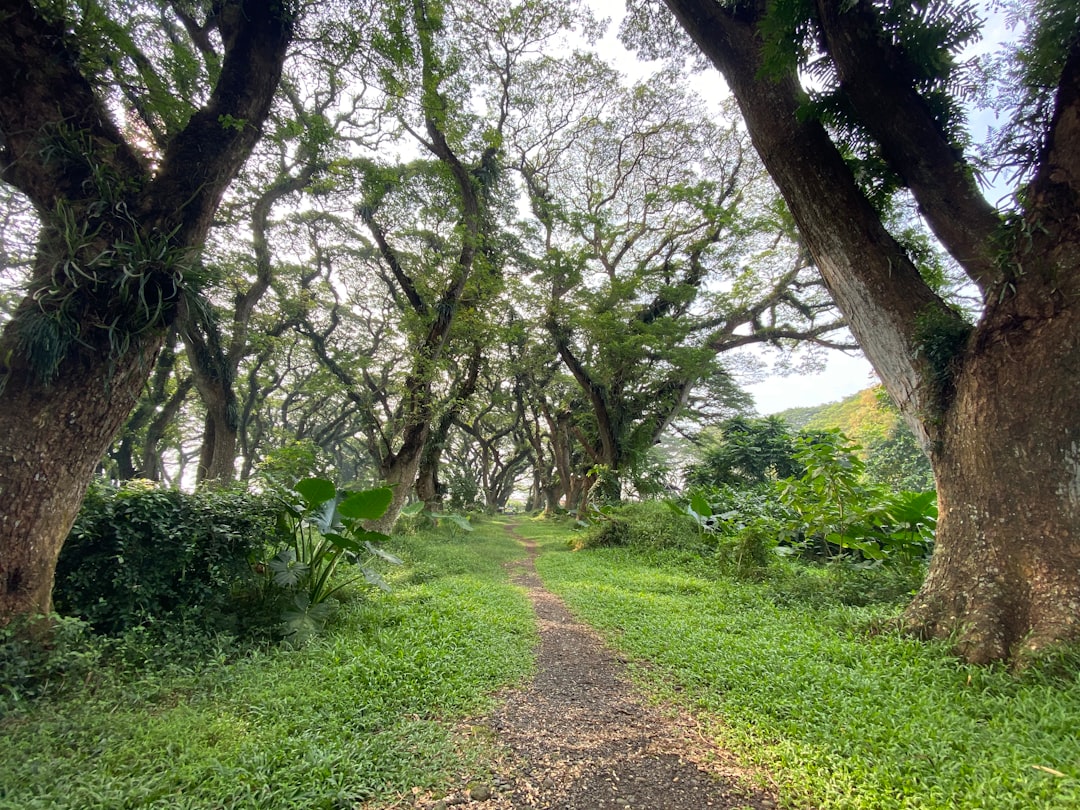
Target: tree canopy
point(448, 247)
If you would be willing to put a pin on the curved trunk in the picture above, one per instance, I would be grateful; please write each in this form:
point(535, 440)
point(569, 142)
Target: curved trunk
point(995, 407)
point(428, 488)
point(217, 456)
point(399, 473)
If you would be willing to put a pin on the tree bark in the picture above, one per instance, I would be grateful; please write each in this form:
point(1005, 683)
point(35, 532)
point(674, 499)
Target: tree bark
point(1004, 580)
point(155, 432)
point(213, 375)
point(81, 345)
point(52, 440)
point(398, 471)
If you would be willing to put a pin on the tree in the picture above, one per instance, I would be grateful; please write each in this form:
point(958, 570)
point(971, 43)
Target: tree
point(124, 133)
point(434, 223)
point(747, 452)
point(992, 402)
point(661, 250)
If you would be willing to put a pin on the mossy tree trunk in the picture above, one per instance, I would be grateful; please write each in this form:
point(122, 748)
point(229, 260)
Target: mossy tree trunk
point(120, 236)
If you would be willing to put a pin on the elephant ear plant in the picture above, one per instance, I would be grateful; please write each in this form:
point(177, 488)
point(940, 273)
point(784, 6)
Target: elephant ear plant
point(325, 529)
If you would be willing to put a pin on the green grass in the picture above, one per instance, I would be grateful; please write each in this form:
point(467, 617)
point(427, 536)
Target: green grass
point(365, 711)
point(840, 717)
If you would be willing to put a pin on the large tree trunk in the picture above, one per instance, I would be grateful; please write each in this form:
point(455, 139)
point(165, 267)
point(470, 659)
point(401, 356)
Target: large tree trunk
point(399, 472)
point(117, 237)
point(995, 407)
point(1004, 580)
point(53, 437)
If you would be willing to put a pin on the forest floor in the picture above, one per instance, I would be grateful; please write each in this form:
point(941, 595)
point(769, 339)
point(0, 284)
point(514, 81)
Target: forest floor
point(579, 736)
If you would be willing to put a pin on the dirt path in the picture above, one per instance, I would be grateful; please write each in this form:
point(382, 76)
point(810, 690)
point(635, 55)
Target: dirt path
point(579, 737)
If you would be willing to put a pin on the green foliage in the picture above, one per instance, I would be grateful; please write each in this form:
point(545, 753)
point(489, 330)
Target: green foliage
point(838, 709)
point(646, 524)
point(141, 552)
point(898, 463)
point(28, 666)
point(829, 509)
point(891, 453)
point(1027, 78)
point(436, 519)
point(745, 523)
point(325, 529)
point(371, 709)
point(941, 338)
point(749, 451)
point(281, 465)
point(832, 506)
point(924, 40)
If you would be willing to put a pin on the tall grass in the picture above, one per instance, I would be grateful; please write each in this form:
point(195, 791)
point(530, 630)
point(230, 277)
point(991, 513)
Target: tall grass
point(840, 715)
point(365, 711)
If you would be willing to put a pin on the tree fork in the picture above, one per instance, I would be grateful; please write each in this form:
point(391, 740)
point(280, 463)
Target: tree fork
point(57, 420)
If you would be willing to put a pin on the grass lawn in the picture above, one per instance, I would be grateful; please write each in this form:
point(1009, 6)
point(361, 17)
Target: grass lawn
point(777, 670)
point(839, 716)
point(364, 711)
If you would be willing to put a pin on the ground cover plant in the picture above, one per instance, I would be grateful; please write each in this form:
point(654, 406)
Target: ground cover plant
point(838, 709)
point(363, 710)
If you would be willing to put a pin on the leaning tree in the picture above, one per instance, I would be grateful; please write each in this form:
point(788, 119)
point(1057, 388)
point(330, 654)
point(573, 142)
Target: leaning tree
point(992, 402)
point(124, 132)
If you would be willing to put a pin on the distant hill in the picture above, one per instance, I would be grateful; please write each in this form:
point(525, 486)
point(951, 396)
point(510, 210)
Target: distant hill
point(870, 420)
point(866, 417)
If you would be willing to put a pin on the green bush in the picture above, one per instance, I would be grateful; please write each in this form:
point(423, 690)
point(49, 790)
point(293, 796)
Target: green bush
point(140, 552)
point(647, 525)
point(29, 666)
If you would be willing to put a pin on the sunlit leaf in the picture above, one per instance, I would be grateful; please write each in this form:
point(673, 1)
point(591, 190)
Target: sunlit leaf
point(367, 505)
point(315, 491)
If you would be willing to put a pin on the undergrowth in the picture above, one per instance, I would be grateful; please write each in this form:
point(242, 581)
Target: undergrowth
point(798, 671)
point(363, 711)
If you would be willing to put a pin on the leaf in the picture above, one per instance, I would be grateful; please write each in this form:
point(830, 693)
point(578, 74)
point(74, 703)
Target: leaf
point(375, 578)
point(288, 571)
point(315, 491)
point(700, 506)
point(461, 521)
point(324, 516)
point(912, 508)
point(369, 537)
point(366, 505)
point(306, 620)
point(342, 542)
point(384, 555)
point(413, 509)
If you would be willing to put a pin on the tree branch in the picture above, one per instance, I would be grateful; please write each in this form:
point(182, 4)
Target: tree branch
point(879, 80)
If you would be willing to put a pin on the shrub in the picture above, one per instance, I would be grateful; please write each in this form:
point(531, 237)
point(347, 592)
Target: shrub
point(141, 551)
point(29, 667)
point(647, 524)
